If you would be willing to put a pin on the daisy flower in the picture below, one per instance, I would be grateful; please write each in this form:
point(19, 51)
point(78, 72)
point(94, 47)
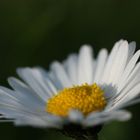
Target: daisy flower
point(78, 95)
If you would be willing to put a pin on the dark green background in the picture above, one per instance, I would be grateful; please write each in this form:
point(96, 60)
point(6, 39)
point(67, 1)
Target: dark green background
point(36, 32)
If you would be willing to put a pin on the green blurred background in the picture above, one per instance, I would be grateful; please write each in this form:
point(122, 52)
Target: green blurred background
point(36, 32)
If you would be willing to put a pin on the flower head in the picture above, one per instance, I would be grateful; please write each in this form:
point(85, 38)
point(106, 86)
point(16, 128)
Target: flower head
point(81, 90)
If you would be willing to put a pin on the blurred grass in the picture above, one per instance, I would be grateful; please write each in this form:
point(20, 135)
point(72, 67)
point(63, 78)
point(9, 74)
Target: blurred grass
point(37, 32)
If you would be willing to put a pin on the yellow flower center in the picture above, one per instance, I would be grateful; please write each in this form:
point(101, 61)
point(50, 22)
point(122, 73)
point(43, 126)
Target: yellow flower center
point(85, 98)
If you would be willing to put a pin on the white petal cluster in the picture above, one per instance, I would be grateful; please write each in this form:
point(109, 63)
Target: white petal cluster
point(118, 74)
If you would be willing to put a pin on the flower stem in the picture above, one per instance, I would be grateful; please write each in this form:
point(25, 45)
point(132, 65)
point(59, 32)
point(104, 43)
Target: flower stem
point(77, 132)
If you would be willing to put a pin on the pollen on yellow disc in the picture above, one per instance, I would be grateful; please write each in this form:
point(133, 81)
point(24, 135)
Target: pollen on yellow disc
point(85, 98)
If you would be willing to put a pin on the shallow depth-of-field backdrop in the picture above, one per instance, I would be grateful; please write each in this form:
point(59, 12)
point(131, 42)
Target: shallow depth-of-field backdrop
point(37, 32)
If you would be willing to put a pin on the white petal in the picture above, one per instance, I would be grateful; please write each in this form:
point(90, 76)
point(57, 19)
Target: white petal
point(8, 98)
point(24, 94)
point(100, 63)
point(132, 102)
point(52, 85)
point(85, 65)
point(60, 74)
point(118, 66)
point(109, 91)
point(132, 47)
point(34, 79)
point(126, 97)
point(35, 121)
point(75, 116)
point(110, 61)
point(104, 117)
point(131, 81)
point(119, 95)
point(71, 67)
point(130, 66)
point(22, 117)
